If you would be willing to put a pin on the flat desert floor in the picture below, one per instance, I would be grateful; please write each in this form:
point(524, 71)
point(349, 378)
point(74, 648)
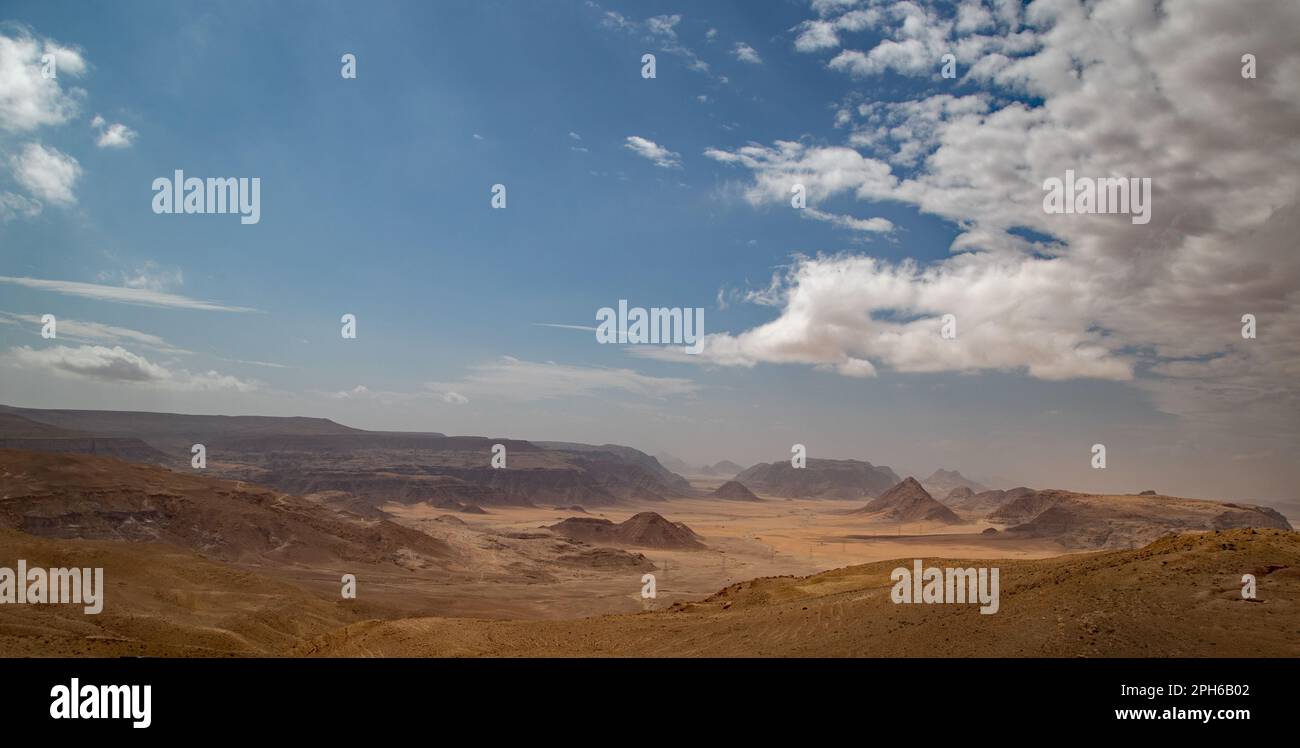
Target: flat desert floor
point(773, 537)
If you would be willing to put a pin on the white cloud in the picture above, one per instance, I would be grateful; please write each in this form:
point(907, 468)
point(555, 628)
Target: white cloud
point(663, 25)
point(29, 99)
point(746, 53)
point(116, 135)
point(819, 34)
point(1120, 89)
point(823, 171)
point(136, 296)
point(118, 365)
point(648, 149)
point(841, 312)
point(47, 173)
point(916, 37)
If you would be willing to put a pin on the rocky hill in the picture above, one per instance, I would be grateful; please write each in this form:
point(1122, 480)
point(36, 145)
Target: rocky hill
point(85, 497)
point(734, 491)
point(644, 530)
point(909, 502)
point(1088, 521)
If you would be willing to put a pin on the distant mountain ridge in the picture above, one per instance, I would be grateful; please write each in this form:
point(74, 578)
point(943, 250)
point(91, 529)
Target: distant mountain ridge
point(316, 455)
point(942, 482)
point(820, 479)
point(720, 469)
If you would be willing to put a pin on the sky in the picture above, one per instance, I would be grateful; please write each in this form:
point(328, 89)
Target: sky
point(924, 197)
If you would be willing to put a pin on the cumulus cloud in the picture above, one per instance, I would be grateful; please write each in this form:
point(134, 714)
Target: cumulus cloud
point(118, 365)
point(648, 149)
point(842, 312)
point(1116, 88)
point(823, 33)
point(47, 173)
point(115, 135)
point(28, 98)
point(823, 171)
point(915, 37)
point(746, 53)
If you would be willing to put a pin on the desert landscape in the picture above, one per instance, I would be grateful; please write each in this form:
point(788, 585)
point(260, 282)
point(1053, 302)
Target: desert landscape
point(548, 557)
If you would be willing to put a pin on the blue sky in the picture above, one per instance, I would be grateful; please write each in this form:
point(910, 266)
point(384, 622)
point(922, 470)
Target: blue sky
point(375, 201)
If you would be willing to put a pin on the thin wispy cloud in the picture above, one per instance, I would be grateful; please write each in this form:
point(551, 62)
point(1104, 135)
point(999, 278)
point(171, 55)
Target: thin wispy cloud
point(122, 295)
point(662, 31)
point(93, 332)
point(510, 378)
point(565, 327)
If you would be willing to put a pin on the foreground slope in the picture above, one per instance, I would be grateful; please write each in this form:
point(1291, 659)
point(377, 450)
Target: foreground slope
point(1178, 597)
point(163, 601)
